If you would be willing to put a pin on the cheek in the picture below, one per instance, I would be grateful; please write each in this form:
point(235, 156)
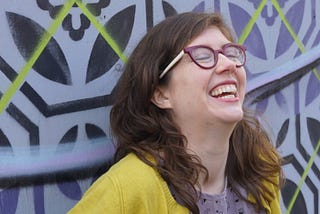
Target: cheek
point(242, 77)
point(184, 93)
point(243, 82)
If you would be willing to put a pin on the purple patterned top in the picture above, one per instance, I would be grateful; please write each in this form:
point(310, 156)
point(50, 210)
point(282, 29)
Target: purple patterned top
point(225, 202)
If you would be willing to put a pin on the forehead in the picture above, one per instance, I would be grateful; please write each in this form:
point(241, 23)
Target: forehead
point(212, 37)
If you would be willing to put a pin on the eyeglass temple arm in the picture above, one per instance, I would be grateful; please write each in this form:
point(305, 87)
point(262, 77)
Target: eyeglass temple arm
point(172, 63)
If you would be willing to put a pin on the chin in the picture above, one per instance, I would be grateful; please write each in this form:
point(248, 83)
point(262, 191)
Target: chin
point(234, 118)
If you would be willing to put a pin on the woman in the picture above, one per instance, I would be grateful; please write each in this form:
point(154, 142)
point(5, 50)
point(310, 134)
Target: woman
point(184, 142)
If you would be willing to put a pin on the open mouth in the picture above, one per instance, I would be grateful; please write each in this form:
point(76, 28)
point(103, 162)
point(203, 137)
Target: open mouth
point(224, 91)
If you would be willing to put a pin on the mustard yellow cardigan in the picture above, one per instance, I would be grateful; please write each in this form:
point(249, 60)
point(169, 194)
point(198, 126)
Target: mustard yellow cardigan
point(131, 186)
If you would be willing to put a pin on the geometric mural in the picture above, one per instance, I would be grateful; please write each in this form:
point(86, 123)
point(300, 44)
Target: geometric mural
point(60, 62)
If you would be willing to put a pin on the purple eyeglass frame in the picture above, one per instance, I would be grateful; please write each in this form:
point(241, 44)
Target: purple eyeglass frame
point(188, 51)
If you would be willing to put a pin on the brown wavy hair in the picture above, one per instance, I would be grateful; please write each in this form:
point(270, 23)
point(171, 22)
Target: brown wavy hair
point(140, 127)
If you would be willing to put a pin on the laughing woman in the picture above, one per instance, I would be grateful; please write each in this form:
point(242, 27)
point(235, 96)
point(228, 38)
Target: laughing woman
point(184, 142)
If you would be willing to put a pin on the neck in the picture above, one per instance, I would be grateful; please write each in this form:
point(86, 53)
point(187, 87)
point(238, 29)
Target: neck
point(216, 165)
point(212, 148)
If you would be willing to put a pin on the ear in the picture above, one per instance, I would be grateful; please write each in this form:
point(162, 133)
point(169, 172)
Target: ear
point(160, 99)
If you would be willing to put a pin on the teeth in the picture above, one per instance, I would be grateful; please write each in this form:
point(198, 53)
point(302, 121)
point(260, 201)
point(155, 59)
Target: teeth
point(228, 96)
point(225, 89)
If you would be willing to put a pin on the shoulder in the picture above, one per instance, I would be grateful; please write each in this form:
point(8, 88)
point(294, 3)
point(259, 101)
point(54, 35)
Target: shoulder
point(142, 187)
point(128, 177)
point(129, 164)
point(131, 170)
point(129, 186)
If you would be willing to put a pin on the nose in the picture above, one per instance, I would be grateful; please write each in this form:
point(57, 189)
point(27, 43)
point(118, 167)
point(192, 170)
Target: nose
point(225, 64)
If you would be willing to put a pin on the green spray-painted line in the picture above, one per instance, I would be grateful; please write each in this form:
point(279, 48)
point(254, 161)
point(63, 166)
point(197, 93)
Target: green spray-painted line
point(304, 175)
point(286, 23)
point(315, 71)
point(302, 49)
point(113, 44)
point(247, 30)
point(9, 93)
point(291, 31)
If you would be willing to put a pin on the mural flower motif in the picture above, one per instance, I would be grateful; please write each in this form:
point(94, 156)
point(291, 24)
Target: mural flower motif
point(67, 24)
point(269, 13)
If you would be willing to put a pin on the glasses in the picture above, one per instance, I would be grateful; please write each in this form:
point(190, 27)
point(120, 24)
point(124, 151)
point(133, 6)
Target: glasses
point(206, 58)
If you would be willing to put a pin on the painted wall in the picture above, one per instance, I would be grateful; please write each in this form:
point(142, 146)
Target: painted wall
point(60, 61)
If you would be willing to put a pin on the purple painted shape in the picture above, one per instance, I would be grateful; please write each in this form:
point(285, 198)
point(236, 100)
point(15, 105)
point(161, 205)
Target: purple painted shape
point(313, 88)
point(52, 63)
point(282, 134)
point(294, 17)
point(287, 193)
point(262, 106)
point(9, 200)
point(313, 130)
point(317, 40)
point(71, 189)
point(217, 7)
point(38, 199)
point(281, 101)
point(297, 98)
point(311, 28)
point(269, 17)
point(254, 41)
point(256, 3)
point(75, 34)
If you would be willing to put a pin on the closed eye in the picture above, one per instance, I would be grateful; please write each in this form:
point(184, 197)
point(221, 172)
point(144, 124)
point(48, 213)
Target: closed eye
point(203, 57)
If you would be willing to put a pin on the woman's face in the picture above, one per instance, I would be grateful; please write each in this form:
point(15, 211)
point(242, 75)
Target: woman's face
point(206, 96)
